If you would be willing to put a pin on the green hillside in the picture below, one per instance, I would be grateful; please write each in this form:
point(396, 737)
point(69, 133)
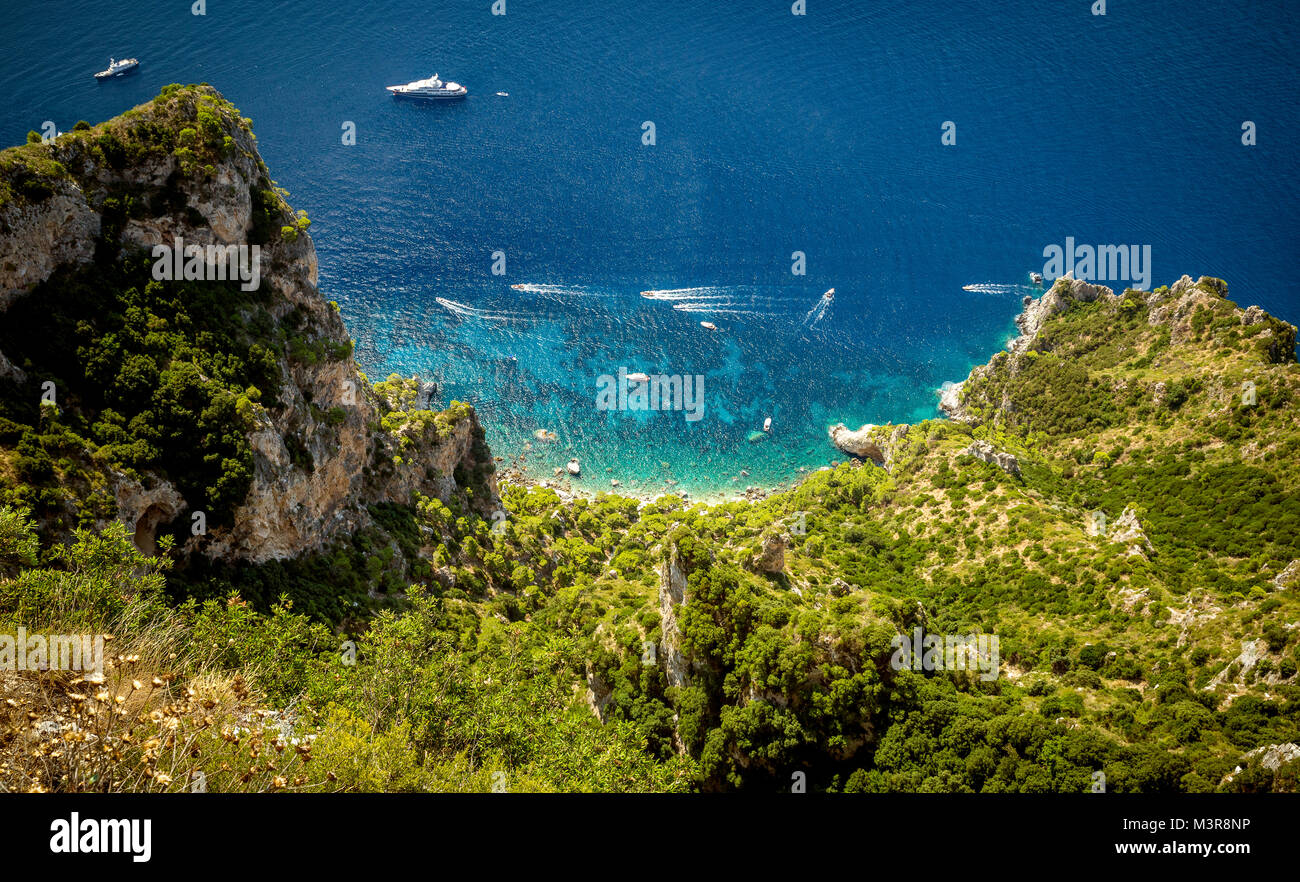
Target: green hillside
point(1116, 500)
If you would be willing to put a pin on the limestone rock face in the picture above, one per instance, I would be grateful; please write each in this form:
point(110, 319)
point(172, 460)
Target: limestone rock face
point(1176, 308)
point(9, 371)
point(1062, 295)
point(672, 593)
point(859, 443)
point(35, 238)
point(1273, 756)
point(1128, 531)
point(143, 510)
point(1252, 316)
point(1289, 577)
point(986, 452)
point(320, 454)
point(771, 557)
point(1251, 652)
point(950, 401)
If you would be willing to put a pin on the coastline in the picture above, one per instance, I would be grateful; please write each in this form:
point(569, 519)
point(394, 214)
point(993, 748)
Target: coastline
point(567, 490)
point(1034, 312)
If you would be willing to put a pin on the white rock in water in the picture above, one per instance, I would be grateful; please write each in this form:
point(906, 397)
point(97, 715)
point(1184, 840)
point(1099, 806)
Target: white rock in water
point(857, 443)
point(574, 468)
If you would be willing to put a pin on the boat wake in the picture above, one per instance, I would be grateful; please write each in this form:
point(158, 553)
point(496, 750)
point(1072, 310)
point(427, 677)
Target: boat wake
point(708, 292)
point(818, 312)
point(720, 309)
point(997, 288)
point(462, 310)
point(555, 290)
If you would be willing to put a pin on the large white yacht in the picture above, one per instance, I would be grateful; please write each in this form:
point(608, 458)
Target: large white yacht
point(118, 68)
point(433, 88)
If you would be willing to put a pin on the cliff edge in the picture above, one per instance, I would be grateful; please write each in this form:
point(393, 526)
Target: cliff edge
point(167, 360)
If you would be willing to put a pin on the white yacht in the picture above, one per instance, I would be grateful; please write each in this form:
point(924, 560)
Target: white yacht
point(432, 88)
point(118, 68)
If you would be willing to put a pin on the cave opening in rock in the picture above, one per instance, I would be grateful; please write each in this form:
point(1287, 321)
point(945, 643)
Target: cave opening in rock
point(146, 529)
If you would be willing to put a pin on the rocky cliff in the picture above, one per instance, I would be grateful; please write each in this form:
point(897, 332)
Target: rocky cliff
point(1177, 315)
point(314, 442)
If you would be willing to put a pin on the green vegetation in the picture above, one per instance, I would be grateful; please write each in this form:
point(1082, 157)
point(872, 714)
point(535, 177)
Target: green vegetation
point(616, 644)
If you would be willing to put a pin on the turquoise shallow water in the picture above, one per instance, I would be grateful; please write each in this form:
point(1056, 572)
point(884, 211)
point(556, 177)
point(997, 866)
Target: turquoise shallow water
point(544, 348)
point(774, 134)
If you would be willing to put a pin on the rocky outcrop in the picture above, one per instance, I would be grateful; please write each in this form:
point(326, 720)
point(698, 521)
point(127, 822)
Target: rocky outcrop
point(598, 692)
point(950, 402)
point(141, 510)
point(321, 456)
point(859, 443)
point(1274, 756)
point(1128, 531)
point(892, 443)
point(1251, 652)
point(986, 452)
point(672, 594)
point(771, 556)
point(37, 237)
point(1289, 577)
point(1062, 295)
point(8, 371)
point(1174, 308)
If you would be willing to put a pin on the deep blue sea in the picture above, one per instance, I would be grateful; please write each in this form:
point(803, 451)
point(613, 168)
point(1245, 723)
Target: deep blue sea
point(774, 134)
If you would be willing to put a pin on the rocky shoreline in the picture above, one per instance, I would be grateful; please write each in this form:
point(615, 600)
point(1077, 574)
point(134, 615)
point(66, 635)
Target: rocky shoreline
point(875, 443)
point(564, 488)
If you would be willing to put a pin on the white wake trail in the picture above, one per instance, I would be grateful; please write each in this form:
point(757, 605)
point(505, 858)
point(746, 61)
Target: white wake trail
point(997, 288)
point(464, 311)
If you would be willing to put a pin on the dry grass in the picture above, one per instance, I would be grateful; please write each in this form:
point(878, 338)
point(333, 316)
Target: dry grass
point(140, 726)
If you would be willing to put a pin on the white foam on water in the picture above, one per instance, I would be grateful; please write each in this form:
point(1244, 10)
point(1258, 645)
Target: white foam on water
point(464, 311)
point(702, 293)
point(997, 288)
point(817, 313)
point(560, 290)
point(721, 309)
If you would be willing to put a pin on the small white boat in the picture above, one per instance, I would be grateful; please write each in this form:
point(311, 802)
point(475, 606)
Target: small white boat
point(767, 424)
point(503, 94)
point(829, 295)
point(639, 377)
point(709, 326)
point(1036, 278)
